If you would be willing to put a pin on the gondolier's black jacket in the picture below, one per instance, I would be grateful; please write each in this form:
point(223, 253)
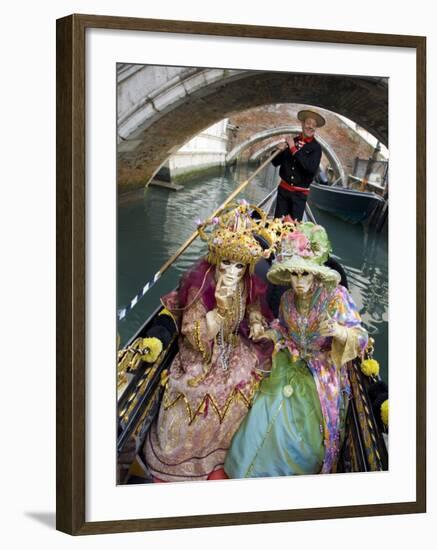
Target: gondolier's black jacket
point(299, 169)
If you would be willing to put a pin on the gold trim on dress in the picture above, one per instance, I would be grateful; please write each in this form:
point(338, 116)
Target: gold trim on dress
point(221, 413)
point(198, 341)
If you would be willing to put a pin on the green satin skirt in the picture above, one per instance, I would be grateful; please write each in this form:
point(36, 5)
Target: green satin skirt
point(282, 434)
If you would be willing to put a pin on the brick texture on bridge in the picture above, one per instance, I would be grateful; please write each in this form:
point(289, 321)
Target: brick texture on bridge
point(347, 143)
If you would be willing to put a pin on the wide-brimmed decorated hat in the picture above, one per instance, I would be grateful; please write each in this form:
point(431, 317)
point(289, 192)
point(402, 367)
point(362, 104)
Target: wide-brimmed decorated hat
point(307, 113)
point(304, 250)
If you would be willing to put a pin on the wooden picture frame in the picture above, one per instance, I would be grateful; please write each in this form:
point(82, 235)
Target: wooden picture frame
point(71, 275)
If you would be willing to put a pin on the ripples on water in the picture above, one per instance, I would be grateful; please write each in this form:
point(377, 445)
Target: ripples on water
point(153, 225)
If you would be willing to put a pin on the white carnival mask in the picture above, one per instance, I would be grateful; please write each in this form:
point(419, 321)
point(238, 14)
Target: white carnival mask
point(302, 282)
point(231, 273)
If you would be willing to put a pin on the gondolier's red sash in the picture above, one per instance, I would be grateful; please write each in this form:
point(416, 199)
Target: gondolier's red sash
point(289, 187)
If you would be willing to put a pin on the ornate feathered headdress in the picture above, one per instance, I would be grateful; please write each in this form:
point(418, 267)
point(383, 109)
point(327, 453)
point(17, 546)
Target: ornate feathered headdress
point(233, 235)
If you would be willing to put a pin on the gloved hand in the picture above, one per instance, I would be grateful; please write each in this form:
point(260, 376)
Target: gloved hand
point(256, 331)
point(329, 327)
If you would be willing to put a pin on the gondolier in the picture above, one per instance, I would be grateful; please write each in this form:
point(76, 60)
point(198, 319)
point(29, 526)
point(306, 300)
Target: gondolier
point(299, 162)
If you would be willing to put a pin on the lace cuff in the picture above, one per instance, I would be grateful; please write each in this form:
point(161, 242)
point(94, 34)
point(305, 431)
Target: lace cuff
point(341, 353)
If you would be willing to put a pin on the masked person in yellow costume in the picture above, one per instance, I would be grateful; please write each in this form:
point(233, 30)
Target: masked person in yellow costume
point(219, 310)
point(296, 423)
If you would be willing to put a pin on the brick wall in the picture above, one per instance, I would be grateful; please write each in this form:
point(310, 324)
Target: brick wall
point(345, 141)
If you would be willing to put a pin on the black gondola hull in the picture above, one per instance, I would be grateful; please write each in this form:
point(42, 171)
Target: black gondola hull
point(348, 204)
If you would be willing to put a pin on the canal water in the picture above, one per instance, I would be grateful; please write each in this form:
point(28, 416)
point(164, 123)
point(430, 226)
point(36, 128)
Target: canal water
point(153, 224)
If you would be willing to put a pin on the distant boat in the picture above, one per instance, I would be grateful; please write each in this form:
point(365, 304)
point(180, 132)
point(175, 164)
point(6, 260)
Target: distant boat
point(351, 205)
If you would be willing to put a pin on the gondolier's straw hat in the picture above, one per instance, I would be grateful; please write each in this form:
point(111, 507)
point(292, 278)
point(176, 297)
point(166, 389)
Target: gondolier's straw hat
point(306, 113)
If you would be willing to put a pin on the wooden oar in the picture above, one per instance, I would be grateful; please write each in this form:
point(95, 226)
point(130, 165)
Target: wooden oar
point(227, 201)
point(122, 312)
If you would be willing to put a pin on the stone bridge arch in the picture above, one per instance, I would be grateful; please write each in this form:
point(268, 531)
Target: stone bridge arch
point(280, 130)
point(155, 120)
point(265, 149)
point(145, 93)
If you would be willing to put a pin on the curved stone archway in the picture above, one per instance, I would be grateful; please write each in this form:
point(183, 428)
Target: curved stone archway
point(265, 149)
point(159, 121)
point(146, 93)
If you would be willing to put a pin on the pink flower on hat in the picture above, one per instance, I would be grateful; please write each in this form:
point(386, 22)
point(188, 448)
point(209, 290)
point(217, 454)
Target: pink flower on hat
point(301, 244)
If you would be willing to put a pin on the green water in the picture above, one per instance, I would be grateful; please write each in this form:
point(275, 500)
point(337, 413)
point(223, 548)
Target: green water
point(152, 226)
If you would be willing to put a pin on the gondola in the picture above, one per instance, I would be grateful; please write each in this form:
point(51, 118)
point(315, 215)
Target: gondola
point(350, 205)
point(141, 386)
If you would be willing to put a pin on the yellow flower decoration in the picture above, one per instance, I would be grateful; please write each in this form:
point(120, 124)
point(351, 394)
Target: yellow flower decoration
point(384, 412)
point(370, 367)
point(151, 348)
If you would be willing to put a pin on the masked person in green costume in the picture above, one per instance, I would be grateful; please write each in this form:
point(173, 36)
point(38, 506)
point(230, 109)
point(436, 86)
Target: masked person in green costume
point(296, 423)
